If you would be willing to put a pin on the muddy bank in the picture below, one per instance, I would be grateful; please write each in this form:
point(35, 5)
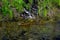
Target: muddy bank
point(30, 30)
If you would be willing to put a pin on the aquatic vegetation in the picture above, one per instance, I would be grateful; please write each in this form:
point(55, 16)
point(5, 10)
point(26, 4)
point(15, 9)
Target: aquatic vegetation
point(44, 6)
point(7, 6)
point(31, 19)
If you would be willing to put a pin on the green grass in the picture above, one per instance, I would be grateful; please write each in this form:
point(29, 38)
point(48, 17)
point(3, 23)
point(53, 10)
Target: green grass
point(19, 5)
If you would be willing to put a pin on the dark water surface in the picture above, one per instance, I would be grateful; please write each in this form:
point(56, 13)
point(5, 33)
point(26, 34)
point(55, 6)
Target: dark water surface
point(14, 31)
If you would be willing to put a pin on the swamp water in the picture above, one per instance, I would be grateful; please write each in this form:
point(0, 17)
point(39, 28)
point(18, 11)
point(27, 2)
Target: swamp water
point(32, 31)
